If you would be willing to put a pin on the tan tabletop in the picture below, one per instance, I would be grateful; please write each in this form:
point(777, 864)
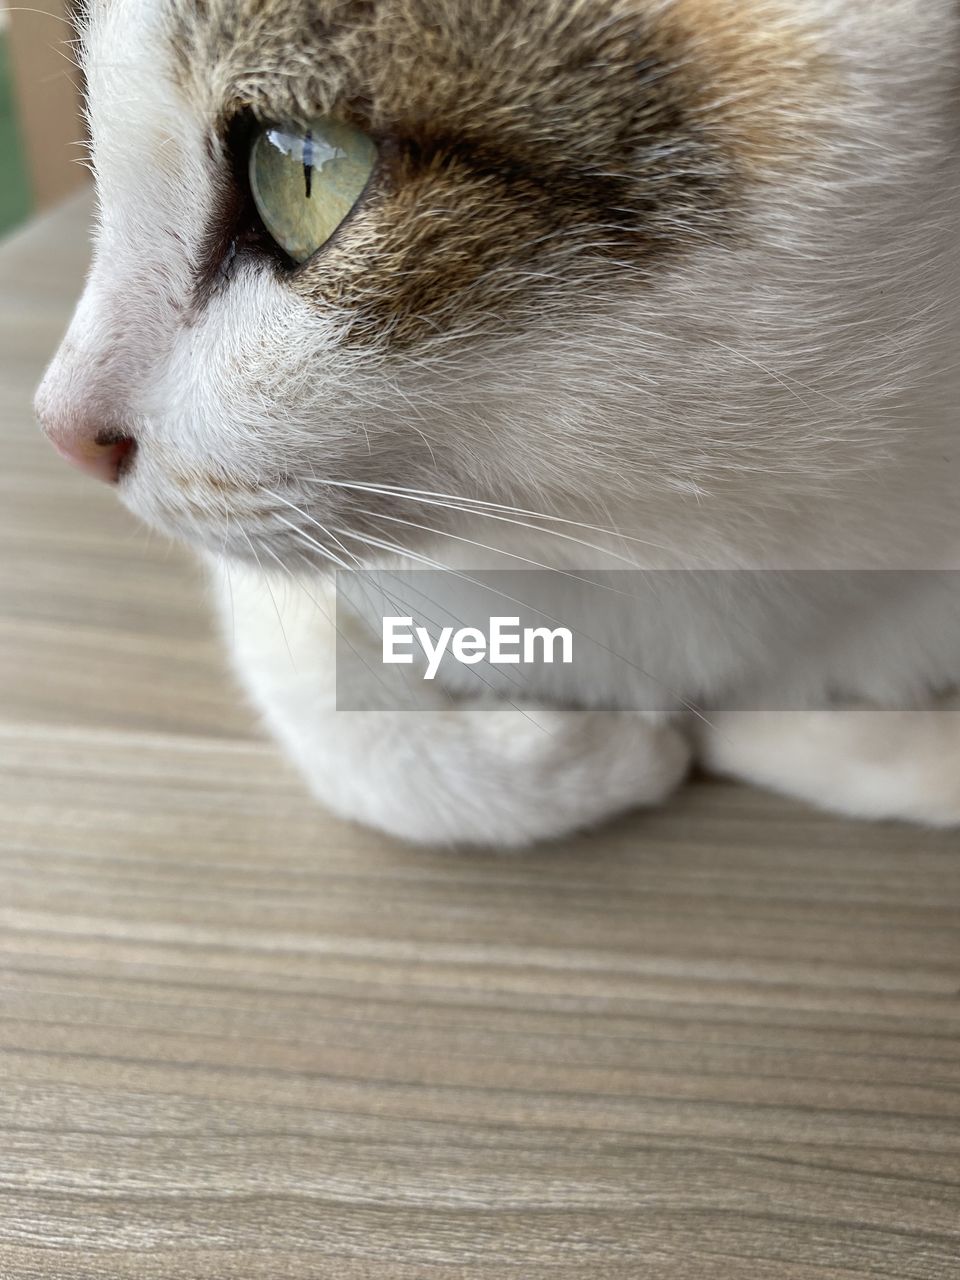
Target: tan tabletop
point(239, 1039)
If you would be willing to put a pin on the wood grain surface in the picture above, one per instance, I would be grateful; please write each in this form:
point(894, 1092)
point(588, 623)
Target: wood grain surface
point(241, 1040)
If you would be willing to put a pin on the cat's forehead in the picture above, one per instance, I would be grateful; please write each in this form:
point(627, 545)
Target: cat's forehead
point(566, 69)
point(413, 64)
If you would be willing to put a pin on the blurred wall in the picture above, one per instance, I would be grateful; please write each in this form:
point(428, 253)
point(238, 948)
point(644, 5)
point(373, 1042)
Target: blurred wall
point(16, 199)
point(47, 95)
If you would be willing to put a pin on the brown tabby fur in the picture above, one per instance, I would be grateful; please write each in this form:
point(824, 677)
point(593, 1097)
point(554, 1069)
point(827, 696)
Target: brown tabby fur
point(519, 138)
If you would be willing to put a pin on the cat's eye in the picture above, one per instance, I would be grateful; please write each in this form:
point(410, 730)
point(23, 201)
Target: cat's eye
point(304, 182)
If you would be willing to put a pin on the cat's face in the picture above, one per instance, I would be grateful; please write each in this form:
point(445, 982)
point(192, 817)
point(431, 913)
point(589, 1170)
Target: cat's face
point(572, 227)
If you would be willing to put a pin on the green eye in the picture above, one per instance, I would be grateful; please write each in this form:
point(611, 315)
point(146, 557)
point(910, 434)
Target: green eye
point(305, 182)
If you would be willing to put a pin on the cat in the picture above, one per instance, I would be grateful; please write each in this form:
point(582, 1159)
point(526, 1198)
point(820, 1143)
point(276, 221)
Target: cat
point(549, 284)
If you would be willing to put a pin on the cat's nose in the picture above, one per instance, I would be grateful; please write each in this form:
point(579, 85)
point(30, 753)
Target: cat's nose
point(102, 452)
point(105, 456)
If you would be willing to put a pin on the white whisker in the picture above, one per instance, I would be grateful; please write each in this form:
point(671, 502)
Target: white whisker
point(479, 506)
point(273, 598)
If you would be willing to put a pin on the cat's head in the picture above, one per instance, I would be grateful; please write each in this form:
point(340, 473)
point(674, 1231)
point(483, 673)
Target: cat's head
point(539, 252)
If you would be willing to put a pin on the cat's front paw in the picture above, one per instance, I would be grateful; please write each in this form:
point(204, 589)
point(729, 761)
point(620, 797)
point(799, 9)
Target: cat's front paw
point(864, 763)
point(504, 777)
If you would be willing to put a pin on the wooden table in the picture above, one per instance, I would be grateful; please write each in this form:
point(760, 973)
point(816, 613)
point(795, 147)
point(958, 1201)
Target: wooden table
point(239, 1039)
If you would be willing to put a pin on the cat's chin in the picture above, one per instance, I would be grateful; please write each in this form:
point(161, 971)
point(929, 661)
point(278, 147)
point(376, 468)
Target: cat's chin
point(258, 527)
point(197, 522)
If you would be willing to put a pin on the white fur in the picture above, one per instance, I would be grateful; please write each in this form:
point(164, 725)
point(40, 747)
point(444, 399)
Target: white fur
point(786, 402)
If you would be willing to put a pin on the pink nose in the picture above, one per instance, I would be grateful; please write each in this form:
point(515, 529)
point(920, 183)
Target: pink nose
point(104, 455)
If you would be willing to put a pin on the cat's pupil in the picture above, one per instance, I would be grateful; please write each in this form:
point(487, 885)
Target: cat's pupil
point(308, 163)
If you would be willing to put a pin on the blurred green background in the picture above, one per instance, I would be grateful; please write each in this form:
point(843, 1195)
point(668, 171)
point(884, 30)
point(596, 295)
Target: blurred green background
point(15, 198)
